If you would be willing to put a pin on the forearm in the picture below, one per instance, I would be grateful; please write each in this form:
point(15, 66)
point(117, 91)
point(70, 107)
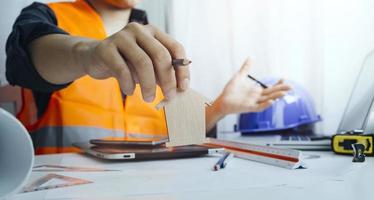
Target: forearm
point(56, 58)
point(213, 114)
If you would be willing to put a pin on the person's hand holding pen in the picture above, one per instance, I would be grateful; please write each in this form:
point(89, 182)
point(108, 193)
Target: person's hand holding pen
point(241, 94)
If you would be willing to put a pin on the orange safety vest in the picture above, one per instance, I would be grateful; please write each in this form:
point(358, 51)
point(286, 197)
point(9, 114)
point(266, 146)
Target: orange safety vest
point(90, 108)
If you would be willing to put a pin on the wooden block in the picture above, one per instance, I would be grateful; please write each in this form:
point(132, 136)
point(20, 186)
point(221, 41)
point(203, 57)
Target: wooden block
point(185, 118)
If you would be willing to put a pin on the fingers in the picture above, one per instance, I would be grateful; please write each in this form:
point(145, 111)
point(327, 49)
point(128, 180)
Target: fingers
point(280, 86)
point(176, 51)
point(112, 59)
point(161, 59)
point(244, 70)
point(277, 91)
point(145, 56)
point(142, 65)
point(268, 95)
point(272, 96)
point(123, 75)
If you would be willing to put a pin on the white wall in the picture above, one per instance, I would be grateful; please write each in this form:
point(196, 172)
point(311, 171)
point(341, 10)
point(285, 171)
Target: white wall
point(319, 43)
point(9, 10)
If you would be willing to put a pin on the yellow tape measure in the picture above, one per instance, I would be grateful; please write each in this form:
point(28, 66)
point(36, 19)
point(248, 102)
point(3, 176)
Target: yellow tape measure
point(342, 143)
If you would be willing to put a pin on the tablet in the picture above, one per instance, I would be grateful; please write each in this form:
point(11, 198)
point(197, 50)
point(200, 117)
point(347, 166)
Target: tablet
point(118, 142)
point(158, 152)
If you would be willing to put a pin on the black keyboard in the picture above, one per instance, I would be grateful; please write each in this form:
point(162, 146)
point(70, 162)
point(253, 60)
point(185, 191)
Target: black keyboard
point(295, 138)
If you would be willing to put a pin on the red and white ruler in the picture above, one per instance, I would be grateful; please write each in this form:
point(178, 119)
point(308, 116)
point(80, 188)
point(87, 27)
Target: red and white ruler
point(286, 158)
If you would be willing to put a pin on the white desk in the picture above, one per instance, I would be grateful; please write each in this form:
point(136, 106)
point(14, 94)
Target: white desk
point(328, 177)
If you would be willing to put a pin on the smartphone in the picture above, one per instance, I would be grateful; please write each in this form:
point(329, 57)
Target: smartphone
point(128, 142)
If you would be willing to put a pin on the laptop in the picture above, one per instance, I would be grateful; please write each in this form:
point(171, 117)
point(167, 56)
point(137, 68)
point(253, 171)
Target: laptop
point(358, 115)
point(283, 140)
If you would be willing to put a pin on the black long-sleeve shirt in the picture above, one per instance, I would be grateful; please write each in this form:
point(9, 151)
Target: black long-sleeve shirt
point(35, 21)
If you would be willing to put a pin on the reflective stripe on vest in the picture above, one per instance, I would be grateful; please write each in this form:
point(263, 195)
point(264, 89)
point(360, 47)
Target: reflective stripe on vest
point(88, 108)
point(65, 136)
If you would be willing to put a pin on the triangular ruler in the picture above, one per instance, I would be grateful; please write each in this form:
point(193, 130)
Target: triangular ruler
point(52, 181)
point(286, 158)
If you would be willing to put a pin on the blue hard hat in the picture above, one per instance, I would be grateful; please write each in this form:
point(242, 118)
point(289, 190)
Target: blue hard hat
point(293, 110)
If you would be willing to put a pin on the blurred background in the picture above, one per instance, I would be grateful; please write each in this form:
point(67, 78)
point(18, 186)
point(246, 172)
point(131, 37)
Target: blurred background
point(319, 43)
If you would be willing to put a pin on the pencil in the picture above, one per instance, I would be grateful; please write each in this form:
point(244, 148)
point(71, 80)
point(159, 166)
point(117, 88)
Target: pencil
point(257, 81)
point(180, 62)
point(222, 162)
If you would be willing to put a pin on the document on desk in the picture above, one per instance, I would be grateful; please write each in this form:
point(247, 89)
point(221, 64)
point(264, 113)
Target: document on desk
point(286, 158)
point(180, 176)
point(192, 177)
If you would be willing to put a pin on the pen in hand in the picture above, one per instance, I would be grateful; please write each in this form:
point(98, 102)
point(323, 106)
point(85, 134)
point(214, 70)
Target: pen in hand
point(257, 81)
